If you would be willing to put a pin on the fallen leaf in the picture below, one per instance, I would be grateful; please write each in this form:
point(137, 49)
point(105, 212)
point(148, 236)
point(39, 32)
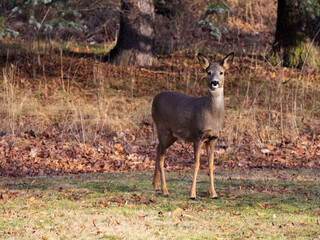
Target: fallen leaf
point(188, 216)
point(32, 200)
point(177, 212)
point(258, 213)
point(94, 224)
point(45, 237)
point(261, 205)
point(233, 196)
point(83, 226)
point(304, 224)
point(270, 147)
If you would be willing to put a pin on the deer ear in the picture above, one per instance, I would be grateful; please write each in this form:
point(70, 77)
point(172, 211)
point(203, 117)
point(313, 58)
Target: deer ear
point(227, 60)
point(203, 60)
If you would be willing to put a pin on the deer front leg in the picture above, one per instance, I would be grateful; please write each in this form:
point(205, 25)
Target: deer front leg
point(156, 175)
point(197, 148)
point(164, 189)
point(210, 152)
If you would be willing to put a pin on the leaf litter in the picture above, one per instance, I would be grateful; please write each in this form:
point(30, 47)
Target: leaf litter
point(51, 155)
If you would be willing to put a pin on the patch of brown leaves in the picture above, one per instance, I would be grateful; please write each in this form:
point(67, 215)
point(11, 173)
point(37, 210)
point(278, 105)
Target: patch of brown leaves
point(28, 154)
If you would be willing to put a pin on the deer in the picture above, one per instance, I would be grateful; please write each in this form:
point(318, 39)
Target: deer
point(192, 119)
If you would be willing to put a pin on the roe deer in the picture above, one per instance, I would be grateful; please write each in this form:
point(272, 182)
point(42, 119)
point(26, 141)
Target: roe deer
point(197, 120)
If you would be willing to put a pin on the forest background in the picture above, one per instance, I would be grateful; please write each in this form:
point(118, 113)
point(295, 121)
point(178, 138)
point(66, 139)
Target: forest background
point(66, 111)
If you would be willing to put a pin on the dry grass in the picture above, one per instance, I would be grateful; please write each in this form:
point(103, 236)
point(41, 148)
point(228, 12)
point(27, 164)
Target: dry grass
point(43, 88)
point(82, 117)
point(266, 103)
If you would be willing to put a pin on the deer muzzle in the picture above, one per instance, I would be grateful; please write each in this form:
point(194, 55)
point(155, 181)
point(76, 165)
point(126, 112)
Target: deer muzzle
point(214, 84)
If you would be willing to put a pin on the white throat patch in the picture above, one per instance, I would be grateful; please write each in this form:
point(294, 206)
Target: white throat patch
point(218, 96)
point(216, 90)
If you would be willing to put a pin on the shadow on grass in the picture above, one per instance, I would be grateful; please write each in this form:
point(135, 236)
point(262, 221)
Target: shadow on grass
point(233, 193)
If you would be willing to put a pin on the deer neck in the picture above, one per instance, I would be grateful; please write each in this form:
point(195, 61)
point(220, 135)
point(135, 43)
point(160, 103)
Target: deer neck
point(216, 99)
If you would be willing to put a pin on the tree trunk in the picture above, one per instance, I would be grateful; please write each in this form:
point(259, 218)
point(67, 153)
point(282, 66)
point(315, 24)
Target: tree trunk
point(136, 34)
point(293, 35)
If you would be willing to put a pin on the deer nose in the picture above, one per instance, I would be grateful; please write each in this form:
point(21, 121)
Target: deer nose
point(214, 83)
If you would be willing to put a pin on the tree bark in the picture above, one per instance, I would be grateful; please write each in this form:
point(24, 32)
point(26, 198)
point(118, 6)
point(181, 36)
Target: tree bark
point(292, 33)
point(136, 34)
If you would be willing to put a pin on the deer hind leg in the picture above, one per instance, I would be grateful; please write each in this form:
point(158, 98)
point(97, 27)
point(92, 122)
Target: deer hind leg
point(210, 144)
point(165, 141)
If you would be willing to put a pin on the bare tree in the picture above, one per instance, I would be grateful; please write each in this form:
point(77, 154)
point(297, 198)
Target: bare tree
point(297, 30)
point(136, 34)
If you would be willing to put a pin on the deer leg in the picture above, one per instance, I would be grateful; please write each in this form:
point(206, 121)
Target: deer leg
point(164, 142)
point(156, 175)
point(210, 152)
point(164, 189)
point(197, 148)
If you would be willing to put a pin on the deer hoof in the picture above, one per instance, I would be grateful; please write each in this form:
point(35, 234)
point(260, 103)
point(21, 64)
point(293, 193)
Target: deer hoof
point(166, 195)
point(193, 198)
point(215, 198)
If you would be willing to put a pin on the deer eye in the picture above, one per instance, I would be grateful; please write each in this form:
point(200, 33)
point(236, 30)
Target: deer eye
point(221, 73)
point(209, 72)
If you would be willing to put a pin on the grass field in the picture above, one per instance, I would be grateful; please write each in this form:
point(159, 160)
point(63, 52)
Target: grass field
point(253, 204)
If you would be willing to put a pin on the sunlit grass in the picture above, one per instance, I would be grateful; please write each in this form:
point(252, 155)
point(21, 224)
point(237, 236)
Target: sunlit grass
point(254, 204)
point(16, 46)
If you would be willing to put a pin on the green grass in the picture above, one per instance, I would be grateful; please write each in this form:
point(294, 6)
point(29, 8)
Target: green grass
point(253, 204)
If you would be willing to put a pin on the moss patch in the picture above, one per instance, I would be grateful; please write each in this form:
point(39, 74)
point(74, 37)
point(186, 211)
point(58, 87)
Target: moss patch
point(303, 53)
